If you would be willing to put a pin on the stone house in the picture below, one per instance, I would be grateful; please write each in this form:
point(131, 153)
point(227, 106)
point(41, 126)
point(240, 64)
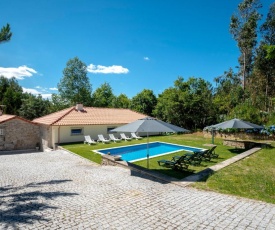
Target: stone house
point(17, 133)
point(70, 125)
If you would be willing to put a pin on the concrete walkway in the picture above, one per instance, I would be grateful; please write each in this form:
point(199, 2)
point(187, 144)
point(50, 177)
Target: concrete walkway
point(58, 190)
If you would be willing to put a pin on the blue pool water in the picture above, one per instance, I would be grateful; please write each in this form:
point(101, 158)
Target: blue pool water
point(139, 152)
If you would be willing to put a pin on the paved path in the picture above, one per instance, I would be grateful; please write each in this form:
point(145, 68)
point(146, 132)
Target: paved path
point(58, 190)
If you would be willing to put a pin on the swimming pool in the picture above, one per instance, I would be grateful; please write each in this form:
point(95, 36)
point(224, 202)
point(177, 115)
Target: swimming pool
point(139, 152)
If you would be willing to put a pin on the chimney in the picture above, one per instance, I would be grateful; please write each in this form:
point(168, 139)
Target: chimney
point(79, 107)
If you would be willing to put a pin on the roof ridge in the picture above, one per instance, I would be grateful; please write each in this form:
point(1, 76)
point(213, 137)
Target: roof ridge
point(60, 114)
point(90, 115)
point(8, 117)
point(69, 110)
point(11, 117)
point(92, 107)
point(117, 109)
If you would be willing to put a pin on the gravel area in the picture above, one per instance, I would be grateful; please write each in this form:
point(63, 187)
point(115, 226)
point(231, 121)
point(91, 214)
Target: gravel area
point(58, 190)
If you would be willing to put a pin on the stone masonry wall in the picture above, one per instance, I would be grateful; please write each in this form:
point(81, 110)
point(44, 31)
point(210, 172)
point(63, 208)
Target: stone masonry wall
point(241, 135)
point(20, 134)
point(239, 144)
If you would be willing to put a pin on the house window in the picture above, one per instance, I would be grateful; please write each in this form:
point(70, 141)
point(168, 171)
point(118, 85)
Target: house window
point(76, 131)
point(1, 132)
point(109, 129)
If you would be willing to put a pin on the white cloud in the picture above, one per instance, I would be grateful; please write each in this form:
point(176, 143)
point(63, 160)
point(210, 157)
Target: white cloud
point(32, 91)
point(46, 95)
point(35, 92)
point(146, 58)
point(116, 69)
point(46, 89)
point(19, 73)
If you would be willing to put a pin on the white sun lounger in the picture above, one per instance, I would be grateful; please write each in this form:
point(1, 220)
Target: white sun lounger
point(135, 136)
point(124, 137)
point(102, 139)
point(89, 140)
point(113, 138)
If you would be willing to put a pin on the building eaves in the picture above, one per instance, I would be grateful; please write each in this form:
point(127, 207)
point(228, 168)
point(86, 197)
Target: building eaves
point(7, 117)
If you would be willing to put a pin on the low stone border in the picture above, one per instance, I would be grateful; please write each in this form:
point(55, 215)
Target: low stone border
point(243, 144)
point(111, 160)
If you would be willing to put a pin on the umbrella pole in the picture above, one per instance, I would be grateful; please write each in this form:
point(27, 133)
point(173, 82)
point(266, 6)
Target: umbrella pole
point(212, 136)
point(212, 131)
point(147, 151)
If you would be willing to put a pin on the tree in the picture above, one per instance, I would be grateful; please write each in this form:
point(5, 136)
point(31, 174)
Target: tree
point(33, 106)
point(103, 96)
point(243, 27)
point(267, 28)
point(10, 95)
point(268, 32)
point(121, 101)
point(144, 102)
point(228, 92)
point(201, 109)
point(5, 34)
point(270, 52)
point(263, 81)
point(187, 104)
point(246, 112)
point(57, 103)
point(262, 87)
point(74, 86)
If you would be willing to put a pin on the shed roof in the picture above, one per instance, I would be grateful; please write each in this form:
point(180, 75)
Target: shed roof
point(90, 116)
point(8, 117)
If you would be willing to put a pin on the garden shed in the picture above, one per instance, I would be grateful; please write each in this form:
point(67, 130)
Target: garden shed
point(17, 133)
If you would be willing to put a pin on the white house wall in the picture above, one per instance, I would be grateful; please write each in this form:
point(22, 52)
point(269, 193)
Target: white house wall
point(65, 135)
point(46, 136)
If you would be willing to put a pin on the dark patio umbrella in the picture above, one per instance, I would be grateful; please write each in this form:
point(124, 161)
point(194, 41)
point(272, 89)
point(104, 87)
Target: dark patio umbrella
point(237, 124)
point(234, 123)
point(149, 125)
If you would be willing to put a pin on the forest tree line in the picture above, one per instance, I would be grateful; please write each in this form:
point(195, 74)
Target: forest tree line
point(247, 92)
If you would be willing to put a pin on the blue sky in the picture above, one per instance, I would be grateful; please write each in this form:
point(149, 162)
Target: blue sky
point(132, 45)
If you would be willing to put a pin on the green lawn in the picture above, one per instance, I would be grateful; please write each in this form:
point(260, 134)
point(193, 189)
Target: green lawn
point(252, 177)
point(184, 139)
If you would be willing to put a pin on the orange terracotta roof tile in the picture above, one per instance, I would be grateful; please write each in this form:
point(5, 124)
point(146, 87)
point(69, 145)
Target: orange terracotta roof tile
point(53, 117)
point(7, 117)
point(90, 116)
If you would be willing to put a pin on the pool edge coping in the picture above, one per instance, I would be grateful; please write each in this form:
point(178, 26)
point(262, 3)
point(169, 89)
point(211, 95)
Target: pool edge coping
point(102, 154)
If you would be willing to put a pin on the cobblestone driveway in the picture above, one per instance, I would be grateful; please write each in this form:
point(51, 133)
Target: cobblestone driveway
point(57, 190)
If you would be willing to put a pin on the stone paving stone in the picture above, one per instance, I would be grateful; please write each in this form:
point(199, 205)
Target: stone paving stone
point(58, 190)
